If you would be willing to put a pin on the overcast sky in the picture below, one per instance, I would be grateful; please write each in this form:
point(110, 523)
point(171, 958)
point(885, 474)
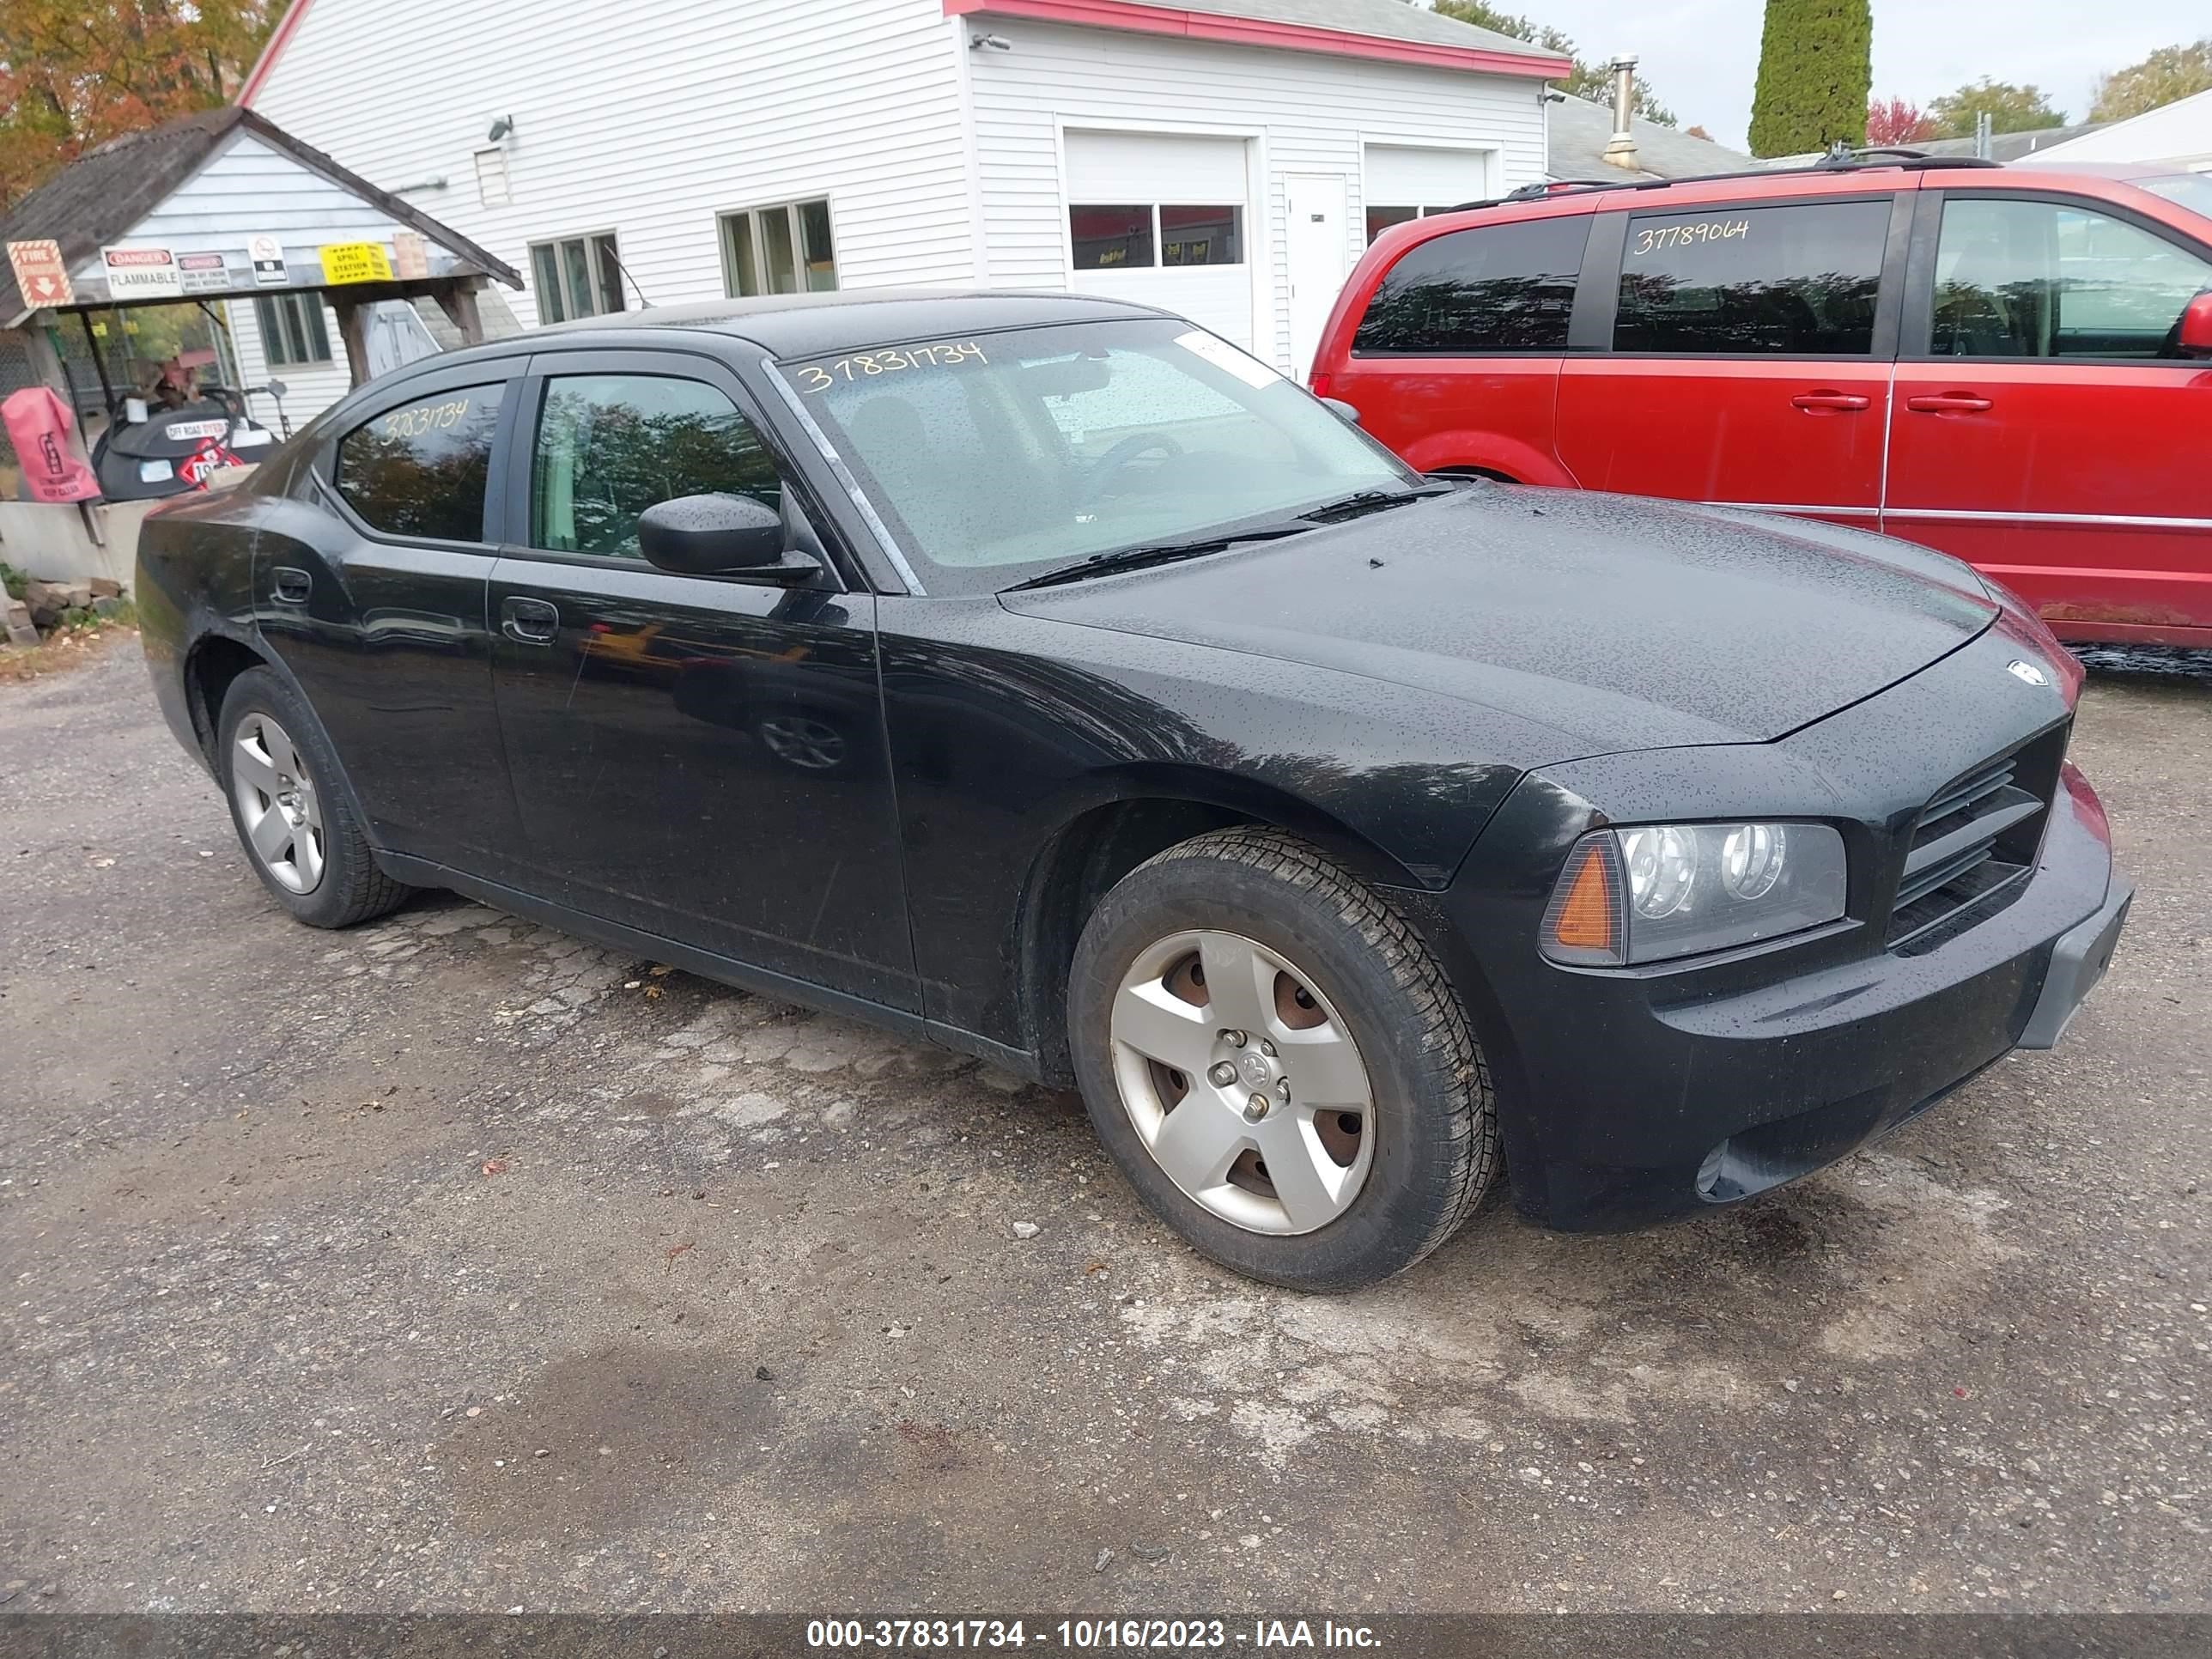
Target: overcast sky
point(1701, 56)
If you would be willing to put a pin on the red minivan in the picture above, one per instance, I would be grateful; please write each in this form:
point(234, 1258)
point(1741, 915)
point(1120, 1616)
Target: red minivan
point(2011, 365)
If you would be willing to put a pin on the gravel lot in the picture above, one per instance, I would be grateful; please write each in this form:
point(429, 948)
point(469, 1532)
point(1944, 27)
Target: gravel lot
point(453, 1263)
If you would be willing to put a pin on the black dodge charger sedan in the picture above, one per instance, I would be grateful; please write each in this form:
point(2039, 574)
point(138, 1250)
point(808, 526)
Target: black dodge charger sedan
point(1046, 678)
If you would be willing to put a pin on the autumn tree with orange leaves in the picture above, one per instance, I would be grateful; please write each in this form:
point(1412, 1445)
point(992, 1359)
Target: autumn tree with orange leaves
point(74, 73)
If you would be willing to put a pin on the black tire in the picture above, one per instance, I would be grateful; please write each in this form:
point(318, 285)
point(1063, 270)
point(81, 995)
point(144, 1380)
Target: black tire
point(1436, 1146)
point(350, 888)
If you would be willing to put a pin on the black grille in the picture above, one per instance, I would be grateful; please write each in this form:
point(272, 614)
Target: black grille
point(1977, 837)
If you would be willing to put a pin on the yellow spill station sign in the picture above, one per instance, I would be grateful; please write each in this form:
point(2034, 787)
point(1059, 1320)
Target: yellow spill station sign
point(355, 261)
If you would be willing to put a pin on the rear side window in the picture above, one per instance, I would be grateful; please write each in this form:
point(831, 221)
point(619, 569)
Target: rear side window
point(419, 469)
point(1497, 288)
point(1799, 282)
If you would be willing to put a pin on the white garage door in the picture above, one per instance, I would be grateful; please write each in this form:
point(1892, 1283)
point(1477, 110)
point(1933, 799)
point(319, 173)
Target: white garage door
point(1164, 218)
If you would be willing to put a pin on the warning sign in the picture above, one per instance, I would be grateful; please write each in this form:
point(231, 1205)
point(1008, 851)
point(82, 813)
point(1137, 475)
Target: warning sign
point(141, 273)
point(203, 273)
point(355, 261)
point(267, 253)
point(208, 458)
point(41, 275)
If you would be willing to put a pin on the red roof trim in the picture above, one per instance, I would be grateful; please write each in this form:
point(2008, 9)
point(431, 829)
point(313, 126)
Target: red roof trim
point(271, 51)
point(1262, 32)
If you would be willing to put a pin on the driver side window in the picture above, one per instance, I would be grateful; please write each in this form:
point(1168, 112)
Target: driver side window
point(2046, 279)
point(610, 446)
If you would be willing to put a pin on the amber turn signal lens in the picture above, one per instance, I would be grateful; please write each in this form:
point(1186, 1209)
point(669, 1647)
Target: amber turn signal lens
point(1583, 921)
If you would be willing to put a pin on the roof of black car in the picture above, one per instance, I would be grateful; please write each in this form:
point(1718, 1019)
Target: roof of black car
point(805, 324)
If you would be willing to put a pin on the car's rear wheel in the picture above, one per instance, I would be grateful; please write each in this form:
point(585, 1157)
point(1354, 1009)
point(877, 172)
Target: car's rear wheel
point(291, 809)
point(1279, 1064)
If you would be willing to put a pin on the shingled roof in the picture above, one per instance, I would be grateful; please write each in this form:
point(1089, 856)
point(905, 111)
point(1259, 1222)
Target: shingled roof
point(96, 199)
point(1581, 129)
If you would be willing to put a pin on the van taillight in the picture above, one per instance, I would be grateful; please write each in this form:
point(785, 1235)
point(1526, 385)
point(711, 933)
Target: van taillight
point(1321, 383)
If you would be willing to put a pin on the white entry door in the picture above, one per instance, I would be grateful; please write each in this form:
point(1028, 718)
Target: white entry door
point(1318, 240)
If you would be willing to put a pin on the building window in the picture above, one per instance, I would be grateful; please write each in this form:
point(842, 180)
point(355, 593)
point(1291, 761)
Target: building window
point(785, 249)
point(491, 177)
point(1380, 219)
point(292, 329)
point(581, 276)
point(1142, 235)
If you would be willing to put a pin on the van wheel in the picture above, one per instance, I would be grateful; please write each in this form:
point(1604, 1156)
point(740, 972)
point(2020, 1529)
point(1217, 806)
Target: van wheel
point(1279, 1064)
point(290, 806)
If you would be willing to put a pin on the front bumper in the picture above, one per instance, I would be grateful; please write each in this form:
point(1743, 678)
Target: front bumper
point(2078, 962)
point(1628, 1098)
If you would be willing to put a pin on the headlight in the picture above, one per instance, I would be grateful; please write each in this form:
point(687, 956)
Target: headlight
point(1660, 891)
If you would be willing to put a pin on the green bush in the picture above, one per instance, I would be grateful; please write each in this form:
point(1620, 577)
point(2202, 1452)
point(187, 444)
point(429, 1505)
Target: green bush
point(14, 581)
point(1815, 65)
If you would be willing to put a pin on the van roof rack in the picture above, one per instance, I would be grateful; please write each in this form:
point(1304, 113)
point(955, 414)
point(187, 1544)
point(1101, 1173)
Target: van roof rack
point(1836, 161)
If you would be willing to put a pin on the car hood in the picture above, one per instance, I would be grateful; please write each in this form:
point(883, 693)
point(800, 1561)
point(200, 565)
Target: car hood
point(1618, 621)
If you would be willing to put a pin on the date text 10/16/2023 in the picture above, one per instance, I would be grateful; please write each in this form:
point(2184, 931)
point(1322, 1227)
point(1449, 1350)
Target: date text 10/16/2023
point(1089, 1635)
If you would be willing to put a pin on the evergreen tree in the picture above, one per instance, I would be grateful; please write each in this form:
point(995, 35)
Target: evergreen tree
point(1815, 66)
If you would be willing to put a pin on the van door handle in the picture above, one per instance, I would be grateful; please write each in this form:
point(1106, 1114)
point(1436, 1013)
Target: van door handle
point(528, 622)
point(1946, 402)
point(1830, 403)
point(290, 586)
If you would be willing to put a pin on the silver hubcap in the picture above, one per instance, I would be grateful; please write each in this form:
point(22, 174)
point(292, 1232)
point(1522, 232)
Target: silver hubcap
point(1242, 1082)
point(798, 741)
point(276, 802)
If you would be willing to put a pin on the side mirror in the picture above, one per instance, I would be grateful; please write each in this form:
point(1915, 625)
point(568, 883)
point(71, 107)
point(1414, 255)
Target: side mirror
point(1345, 411)
point(719, 535)
point(2196, 327)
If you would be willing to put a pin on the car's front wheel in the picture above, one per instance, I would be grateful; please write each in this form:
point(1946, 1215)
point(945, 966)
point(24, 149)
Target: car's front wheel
point(1278, 1063)
point(293, 814)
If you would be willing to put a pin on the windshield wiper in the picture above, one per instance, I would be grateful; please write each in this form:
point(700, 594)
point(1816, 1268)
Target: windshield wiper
point(1363, 501)
point(1153, 553)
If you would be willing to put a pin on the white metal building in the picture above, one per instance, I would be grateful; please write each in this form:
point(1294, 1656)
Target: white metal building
point(2178, 135)
point(1224, 158)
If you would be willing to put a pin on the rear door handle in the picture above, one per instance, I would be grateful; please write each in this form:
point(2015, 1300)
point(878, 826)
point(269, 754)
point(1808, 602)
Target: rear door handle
point(291, 587)
point(528, 622)
point(1946, 402)
point(1830, 403)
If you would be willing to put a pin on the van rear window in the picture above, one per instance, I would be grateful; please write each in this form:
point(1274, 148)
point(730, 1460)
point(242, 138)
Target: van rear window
point(1496, 288)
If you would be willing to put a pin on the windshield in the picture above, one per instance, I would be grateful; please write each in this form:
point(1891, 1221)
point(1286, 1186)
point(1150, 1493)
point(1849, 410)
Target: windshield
point(995, 456)
point(2192, 190)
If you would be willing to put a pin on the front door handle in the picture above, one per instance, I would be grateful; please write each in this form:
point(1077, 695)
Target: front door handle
point(1830, 403)
point(291, 587)
point(528, 622)
point(1946, 402)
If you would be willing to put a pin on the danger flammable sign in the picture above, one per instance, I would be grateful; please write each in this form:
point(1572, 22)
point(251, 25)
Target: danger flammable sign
point(40, 277)
point(141, 273)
